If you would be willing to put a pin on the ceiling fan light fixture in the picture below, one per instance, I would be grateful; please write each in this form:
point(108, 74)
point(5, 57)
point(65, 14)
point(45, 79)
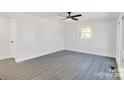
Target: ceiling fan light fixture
point(69, 19)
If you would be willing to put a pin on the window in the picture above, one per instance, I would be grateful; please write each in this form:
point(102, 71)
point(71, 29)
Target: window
point(85, 32)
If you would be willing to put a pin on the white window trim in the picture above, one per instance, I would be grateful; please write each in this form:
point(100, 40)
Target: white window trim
point(79, 29)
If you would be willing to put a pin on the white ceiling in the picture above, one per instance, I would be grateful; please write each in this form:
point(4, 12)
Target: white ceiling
point(57, 16)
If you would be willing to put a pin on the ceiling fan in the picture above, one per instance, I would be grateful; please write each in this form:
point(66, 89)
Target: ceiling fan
point(71, 17)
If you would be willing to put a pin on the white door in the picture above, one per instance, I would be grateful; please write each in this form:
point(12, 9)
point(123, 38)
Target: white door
point(12, 37)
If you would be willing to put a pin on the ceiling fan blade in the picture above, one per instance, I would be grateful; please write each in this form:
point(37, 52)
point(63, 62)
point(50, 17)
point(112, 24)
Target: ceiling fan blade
point(74, 18)
point(76, 15)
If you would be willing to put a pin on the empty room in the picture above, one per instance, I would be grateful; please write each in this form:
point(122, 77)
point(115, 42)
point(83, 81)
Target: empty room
point(61, 45)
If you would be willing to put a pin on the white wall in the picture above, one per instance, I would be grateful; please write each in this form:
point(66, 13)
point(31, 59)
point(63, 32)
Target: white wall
point(36, 37)
point(102, 42)
point(4, 38)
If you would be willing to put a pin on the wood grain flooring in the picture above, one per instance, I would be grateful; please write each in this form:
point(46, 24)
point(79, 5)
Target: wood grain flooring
point(62, 65)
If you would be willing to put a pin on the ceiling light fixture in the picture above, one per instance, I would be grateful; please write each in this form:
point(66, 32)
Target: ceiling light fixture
point(69, 19)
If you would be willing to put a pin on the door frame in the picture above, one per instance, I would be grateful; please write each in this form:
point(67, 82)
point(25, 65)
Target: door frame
point(119, 46)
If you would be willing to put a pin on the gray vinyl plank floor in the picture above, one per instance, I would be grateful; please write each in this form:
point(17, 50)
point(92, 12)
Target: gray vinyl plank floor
point(62, 65)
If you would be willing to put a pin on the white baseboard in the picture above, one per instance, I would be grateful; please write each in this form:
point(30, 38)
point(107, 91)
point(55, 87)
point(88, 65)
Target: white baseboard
point(90, 53)
point(4, 57)
point(35, 56)
point(42, 54)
